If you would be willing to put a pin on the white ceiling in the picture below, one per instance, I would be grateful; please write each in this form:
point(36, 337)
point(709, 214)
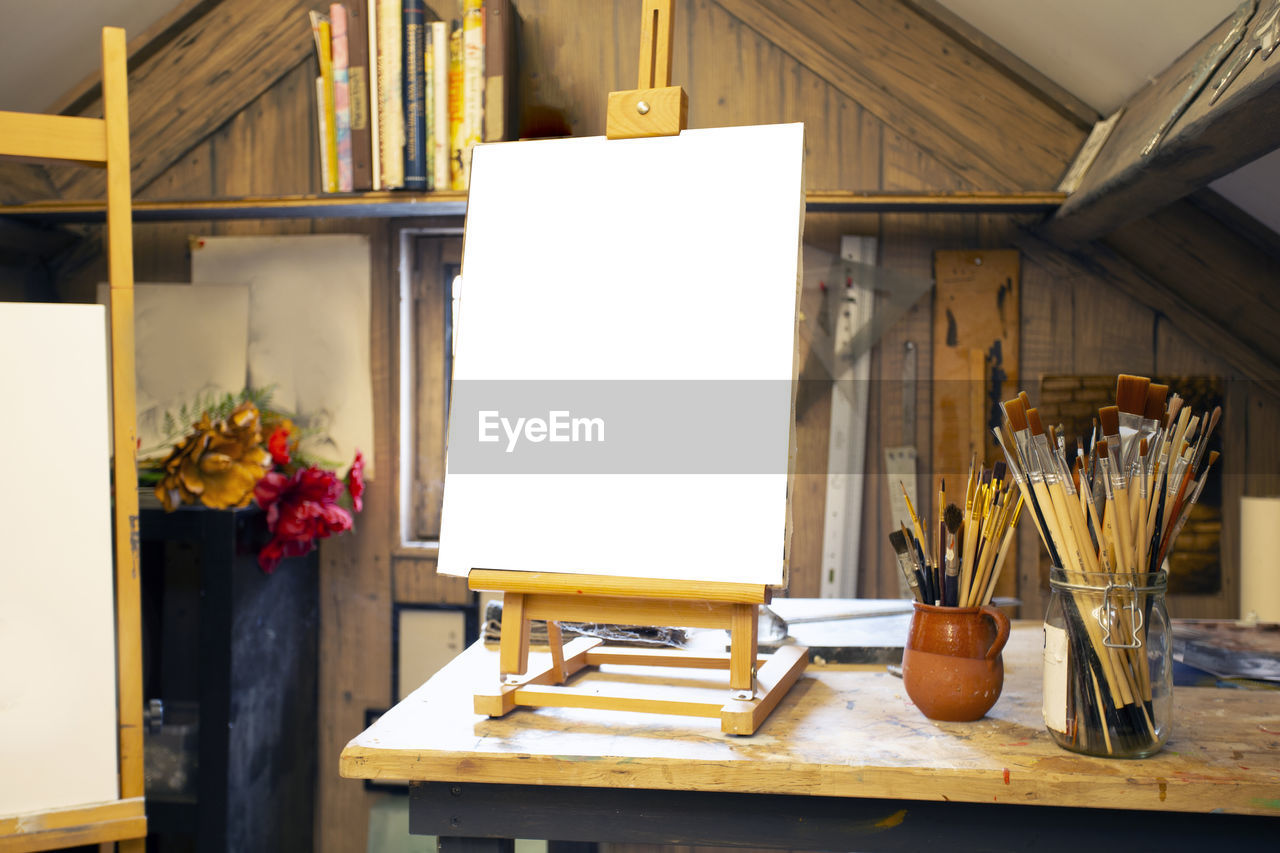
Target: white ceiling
point(1101, 51)
point(48, 46)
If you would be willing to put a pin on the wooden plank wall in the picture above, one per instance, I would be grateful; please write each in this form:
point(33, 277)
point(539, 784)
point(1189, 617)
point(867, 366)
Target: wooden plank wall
point(572, 53)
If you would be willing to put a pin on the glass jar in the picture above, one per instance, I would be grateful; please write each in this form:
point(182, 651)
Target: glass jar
point(1108, 685)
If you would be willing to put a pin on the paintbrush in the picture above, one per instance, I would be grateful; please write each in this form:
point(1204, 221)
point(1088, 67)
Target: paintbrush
point(1074, 539)
point(953, 518)
point(1109, 416)
point(1020, 479)
point(1131, 400)
point(899, 542)
point(1186, 511)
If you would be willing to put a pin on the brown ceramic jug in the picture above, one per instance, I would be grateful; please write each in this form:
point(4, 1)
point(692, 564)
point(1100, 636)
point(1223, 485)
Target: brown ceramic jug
point(951, 665)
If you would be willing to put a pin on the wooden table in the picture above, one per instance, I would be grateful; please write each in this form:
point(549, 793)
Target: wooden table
point(844, 762)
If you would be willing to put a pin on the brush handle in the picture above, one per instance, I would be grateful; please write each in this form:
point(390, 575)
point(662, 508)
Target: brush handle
point(951, 592)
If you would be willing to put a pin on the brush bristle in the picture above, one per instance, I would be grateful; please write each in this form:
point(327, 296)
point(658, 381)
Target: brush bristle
point(998, 473)
point(1102, 449)
point(1156, 395)
point(1033, 420)
point(1109, 416)
point(899, 542)
point(1142, 446)
point(1053, 436)
point(1017, 414)
point(1213, 457)
point(953, 517)
point(1131, 393)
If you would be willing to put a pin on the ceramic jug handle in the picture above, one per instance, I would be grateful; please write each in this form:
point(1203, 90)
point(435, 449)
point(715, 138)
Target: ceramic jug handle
point(1002, 630)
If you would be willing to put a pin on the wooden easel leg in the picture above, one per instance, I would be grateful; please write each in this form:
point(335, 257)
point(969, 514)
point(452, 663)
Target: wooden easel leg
point(556, 641)
point(513, 651)
point(743, 647)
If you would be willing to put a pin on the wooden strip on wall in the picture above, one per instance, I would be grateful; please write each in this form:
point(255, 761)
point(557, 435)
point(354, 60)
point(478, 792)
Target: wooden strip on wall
point(976, 339)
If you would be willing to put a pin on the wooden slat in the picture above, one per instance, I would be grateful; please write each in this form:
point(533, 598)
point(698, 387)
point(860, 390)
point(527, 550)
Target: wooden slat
point(72, 827)
point(604, 585)
point(551, 696)
point(1108, 267)
point(53, 138)
point(912, 76)
point(624, 611)
point(1208, 141)
point(192, 85)
point(1228, 279)
point(124, 414)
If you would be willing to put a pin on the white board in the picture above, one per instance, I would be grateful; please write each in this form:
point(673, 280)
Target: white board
point(190, 344)
point(649, 285)
point(308, 328)
point(58, 739)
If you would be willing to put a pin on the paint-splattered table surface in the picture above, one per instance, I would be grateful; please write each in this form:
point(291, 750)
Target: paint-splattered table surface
point(840, 732)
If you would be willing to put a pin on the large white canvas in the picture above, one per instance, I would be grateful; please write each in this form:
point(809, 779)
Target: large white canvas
point(308, 327)
point(616, 262)
point(58, 739)
point(190, 343)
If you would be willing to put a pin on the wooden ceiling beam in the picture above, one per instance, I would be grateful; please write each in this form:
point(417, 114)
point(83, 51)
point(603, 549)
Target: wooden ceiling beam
point(1207, 140)
point(925, 84)
point(198, 80)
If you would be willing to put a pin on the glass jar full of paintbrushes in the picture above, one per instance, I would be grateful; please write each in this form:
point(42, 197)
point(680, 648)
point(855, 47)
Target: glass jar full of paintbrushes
point(1108, 688)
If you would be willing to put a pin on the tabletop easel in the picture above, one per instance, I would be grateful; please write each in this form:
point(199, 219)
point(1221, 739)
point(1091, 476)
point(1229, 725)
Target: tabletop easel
point(756, 684)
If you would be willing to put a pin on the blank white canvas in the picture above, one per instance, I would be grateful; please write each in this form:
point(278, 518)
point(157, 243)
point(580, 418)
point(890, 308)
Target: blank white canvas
point(646, 259)
point(58, 740)
point(308, 328)
point(189, 343)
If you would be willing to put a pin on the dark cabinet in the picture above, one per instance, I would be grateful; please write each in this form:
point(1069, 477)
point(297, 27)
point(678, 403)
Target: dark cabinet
point(232, 654)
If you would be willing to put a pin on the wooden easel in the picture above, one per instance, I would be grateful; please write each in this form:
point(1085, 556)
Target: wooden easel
point(102, 142)
point(756, 685)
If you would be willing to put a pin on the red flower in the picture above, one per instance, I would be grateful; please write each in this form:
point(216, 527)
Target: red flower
point(300, 509)
point(355, 482)
point(278, 445)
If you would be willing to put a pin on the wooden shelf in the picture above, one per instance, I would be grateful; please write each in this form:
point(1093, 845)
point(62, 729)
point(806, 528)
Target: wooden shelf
point(395, 205)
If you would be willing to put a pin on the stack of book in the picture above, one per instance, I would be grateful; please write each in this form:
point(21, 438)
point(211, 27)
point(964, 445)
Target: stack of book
point(402, 98)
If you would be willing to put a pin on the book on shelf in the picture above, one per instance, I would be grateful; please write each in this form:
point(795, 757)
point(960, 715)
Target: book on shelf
point(472, 82)
point(322, 130)
point(358, 85)
point(440, 141)
point(320, 30)
point(457, 126)
point(415, 118)
point(375, 86)
point(500, 32)
point(429, 103)
point(402, 100)
point(390, 93)
point(341, 94)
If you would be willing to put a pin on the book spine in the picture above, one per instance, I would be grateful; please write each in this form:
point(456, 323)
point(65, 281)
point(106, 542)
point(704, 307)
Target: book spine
point(322, 129)
point(331, 124)
point(429, 105)
point(375, 85)
point(472, 81)
point(499, 70)
point(440, 93)
point(415, 150)
point(457, 131)
point(341, 94)
point(390, 91)
point(358, 78)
